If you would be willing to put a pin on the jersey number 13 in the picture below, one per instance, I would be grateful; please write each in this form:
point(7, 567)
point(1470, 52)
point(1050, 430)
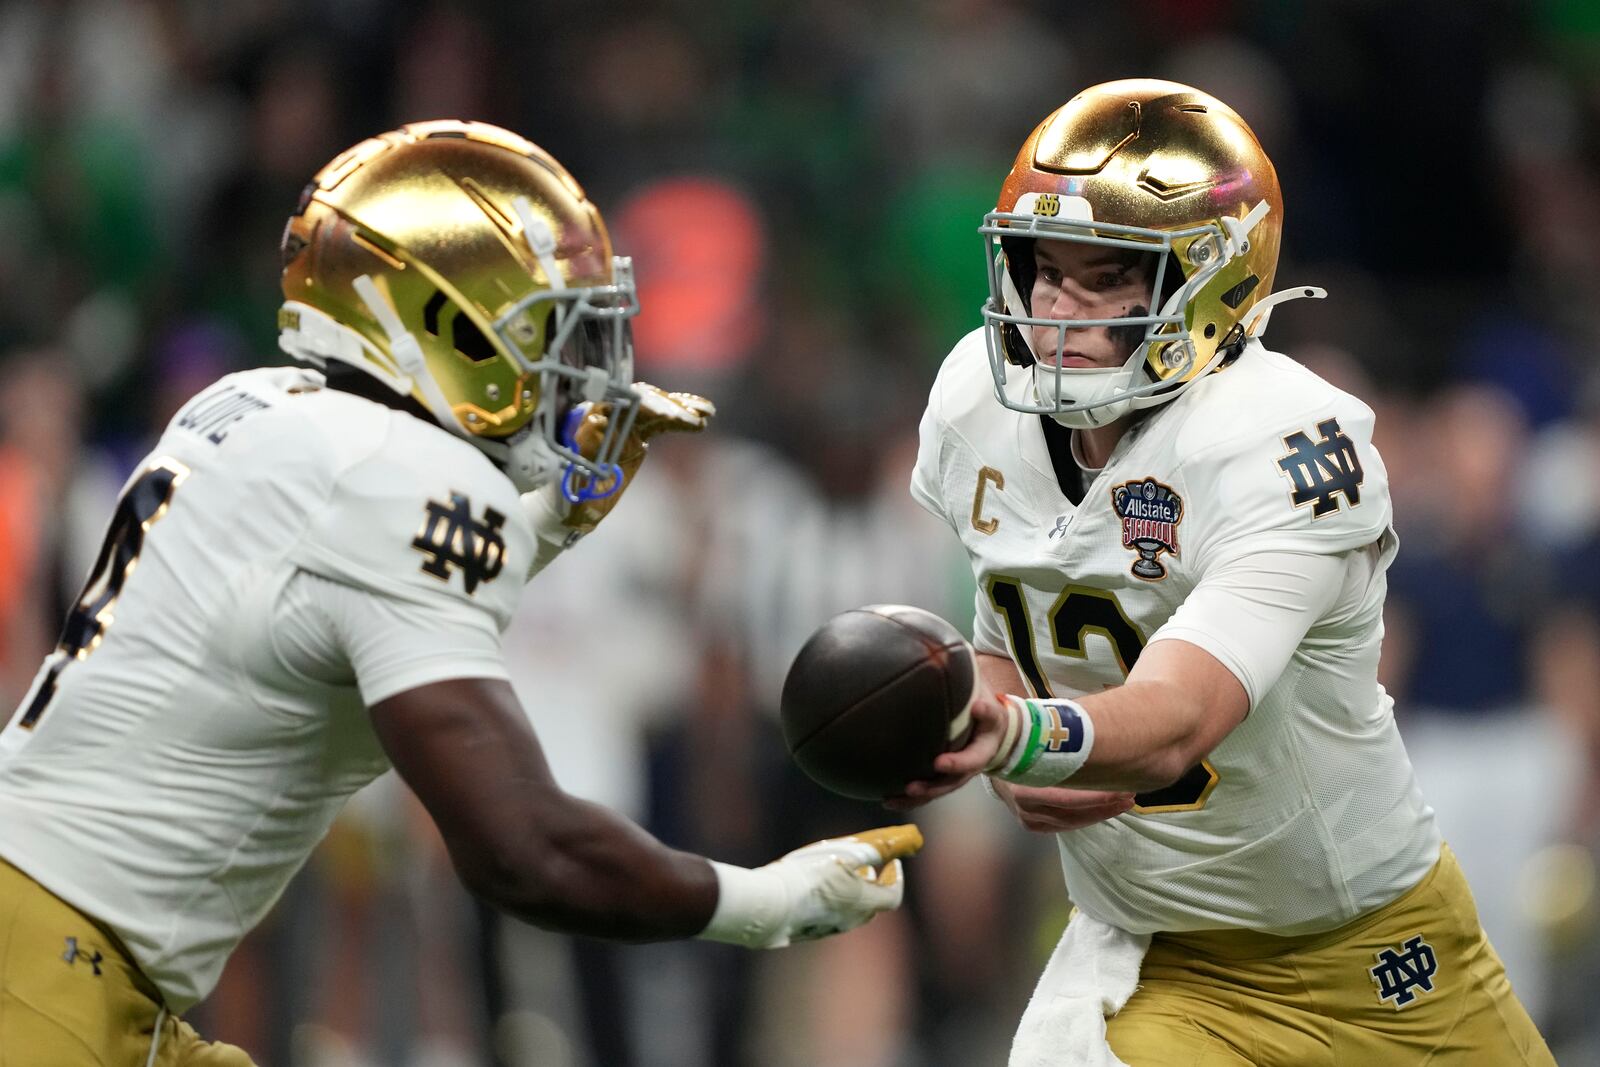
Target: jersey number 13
point(1078, 612)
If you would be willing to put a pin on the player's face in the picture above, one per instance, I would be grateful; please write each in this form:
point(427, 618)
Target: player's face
point(1074, 281)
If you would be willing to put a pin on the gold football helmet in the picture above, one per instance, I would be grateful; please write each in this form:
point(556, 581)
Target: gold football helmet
point(1147, 166)
point(464, 267)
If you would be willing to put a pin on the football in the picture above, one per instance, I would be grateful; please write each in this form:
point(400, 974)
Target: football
point(874, 695)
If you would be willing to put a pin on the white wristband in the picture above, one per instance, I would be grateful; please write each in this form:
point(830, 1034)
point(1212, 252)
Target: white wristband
point(1052, 741)
point(752, 907)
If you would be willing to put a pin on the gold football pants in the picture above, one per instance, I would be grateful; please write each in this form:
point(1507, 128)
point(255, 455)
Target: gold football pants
point(1415, 982)
point(70, 996)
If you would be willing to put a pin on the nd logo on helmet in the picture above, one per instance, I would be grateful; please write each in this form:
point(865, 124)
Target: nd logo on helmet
point(1048, 204)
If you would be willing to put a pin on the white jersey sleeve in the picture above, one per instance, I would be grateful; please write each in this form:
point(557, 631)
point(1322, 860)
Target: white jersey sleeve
point(926, 482)
point(433, 526)
point(381, 643)
point(1251, 614)
point(1312, 483)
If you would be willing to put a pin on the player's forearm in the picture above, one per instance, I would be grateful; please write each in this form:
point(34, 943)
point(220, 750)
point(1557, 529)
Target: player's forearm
point(1135, 737)
point(1146, 736)
point(590, 871)
point(1141, 729)
point(1142, 735)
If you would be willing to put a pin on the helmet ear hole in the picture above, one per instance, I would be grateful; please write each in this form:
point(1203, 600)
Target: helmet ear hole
point(1017, 350)
point(1171, 280)
point(464, 335)
point(1020, 263)
point(470, 341)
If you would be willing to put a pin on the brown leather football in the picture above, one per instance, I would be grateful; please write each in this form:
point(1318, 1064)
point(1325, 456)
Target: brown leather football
point(874, 696)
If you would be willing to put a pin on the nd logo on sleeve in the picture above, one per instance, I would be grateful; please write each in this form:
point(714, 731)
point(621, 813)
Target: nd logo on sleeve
point(1322, 470)
point(451, 537)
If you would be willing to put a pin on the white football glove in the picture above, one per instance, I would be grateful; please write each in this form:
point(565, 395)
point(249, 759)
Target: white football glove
point(824, 888)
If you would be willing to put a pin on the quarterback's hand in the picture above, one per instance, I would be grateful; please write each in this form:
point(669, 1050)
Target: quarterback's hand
point(659, 412)
point(955, 769)
point(825, 888)
point(1052, 809)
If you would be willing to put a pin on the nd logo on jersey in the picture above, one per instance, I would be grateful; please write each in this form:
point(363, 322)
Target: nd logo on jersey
point(453, 538)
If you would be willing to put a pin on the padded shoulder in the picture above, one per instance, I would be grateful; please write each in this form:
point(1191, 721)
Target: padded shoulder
point(1275, 458)
point(415, 513)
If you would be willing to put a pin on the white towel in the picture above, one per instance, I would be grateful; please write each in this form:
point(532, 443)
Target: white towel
point(1091, 975)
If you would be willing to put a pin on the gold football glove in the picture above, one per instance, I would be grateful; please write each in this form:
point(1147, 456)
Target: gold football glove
point(659, 412)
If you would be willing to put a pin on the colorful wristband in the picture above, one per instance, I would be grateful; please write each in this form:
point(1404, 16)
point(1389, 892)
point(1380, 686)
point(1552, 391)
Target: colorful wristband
point(1053, 740)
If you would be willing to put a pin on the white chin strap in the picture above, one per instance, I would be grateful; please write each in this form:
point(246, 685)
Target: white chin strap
point(407, 355)
point(526, 457)
point(1255, 323)
point(541, 242)
point(317, 337)
point(1087, 386)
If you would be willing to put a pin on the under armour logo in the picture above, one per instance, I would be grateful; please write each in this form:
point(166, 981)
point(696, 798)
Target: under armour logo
point(74, 954)
point(1061, 526)
point(1398, 974)
point(453, 538)
point(1321, 470)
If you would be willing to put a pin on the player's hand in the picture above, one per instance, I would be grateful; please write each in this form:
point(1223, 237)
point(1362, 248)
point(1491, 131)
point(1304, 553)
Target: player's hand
point(839, 883)
point(825, 888)
point(659, 412)
point(1053, 809)
point(955, 769)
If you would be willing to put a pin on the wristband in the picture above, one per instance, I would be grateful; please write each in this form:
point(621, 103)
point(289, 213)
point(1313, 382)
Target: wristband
point(1052, 740)
point(752, 907)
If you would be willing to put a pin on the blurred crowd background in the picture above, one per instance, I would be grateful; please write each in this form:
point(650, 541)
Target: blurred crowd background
point(800, 186)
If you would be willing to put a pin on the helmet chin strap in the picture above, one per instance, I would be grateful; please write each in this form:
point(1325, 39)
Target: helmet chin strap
point(1255, 323)
point(541, 242)
point(526, 457)
point(407, 355)
point(312, 336)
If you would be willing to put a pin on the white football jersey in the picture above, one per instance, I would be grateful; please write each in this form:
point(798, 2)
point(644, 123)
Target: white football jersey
point(286, 556)
point(1308, 813)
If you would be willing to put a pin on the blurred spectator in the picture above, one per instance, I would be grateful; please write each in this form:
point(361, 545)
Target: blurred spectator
point(1466, 591)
